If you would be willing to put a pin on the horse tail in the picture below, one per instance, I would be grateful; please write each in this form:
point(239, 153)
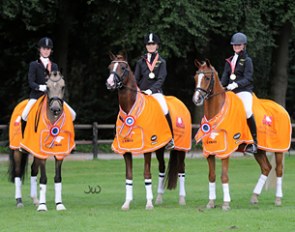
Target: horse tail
point(172, 170)
point(23, 163)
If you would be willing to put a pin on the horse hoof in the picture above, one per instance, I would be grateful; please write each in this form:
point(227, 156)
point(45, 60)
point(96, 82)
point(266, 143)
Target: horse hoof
point(159, 199)
point(60, 207)
point(42, 207)
point(149, 205)
point(19, 203)
point(211, 204)
point(254, 199)
point(181, 200)
point(35, 201)
point(225, 206)
point(278, 201)
point(126, 205)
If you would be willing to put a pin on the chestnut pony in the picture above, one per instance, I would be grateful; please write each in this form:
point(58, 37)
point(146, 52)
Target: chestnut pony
point(210, 94)
point(121, 78)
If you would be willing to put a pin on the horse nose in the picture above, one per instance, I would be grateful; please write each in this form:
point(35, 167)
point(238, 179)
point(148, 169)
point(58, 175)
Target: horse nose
point(55, 110)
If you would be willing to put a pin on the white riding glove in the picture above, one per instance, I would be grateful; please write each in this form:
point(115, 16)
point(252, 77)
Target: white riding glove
point(42, 88)
point(232, 86)
point(148, 92)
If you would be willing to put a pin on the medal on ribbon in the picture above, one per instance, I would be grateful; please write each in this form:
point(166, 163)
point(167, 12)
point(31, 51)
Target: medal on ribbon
point(152, 66)
point(233, 76)
point(151, 75)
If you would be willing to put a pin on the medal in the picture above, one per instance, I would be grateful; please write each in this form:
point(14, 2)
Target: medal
point(233, 76)
point(151, 75)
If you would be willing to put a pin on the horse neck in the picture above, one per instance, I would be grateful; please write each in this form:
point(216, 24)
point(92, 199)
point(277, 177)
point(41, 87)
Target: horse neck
point(127, 94)
point(214, 104)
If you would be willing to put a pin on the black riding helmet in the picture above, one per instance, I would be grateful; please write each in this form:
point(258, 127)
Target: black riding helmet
point(151, 38)
point(238, 38)
point(45, 42)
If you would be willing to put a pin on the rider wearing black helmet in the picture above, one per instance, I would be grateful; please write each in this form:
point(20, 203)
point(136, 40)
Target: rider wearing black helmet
point(150, 73)
point(238, 77)
point(38, 70)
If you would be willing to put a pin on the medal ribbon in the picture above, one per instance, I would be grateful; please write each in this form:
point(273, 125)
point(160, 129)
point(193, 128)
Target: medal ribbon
point(233, 63)
point(152, 66)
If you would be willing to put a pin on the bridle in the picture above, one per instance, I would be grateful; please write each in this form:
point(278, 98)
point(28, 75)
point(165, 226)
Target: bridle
point(207, 93)
point(119, 79)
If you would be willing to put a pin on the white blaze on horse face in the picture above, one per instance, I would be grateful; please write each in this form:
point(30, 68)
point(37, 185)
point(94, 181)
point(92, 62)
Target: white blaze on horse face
point(111, 79)
point(197, 98)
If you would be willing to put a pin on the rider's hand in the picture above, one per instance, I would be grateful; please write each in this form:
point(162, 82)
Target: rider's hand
point(148, 92)
point(42, 88)
point(232, 86)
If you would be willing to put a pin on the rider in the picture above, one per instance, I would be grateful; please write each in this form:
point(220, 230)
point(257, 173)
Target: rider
point(37, 77)
point(238, 77)
point(150, 74)
point(38, 72)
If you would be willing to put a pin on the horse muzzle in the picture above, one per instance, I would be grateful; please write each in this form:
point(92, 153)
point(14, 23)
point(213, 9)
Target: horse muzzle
point(198, 99)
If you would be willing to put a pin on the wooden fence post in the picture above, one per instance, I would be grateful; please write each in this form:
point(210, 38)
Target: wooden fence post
point(94, 140)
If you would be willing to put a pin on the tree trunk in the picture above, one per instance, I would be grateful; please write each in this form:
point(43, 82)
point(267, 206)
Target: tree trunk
point(279, 77)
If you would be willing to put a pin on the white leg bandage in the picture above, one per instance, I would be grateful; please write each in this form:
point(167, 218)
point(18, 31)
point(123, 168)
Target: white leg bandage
point(148, 188)
point(181, 178)
point(261, 181)
point(226, 196)
point(212, 190)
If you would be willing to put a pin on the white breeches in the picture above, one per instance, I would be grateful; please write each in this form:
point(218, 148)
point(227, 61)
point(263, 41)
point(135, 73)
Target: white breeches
point(27, 109)
point(247, 100)
point(161, 99)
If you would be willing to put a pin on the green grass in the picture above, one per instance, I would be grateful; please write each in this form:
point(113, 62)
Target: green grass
point(102, 212)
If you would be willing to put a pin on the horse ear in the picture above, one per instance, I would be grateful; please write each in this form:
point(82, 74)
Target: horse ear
point(111, 55)
point(197, 63)
point(208, 63)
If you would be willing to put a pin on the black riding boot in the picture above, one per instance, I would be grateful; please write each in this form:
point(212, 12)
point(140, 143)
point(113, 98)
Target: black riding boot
point(170, 144)
point(23, 127)
point(252, 148)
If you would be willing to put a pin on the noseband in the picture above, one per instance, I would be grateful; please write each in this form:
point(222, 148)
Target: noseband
point(120, 79)
point(209, 91)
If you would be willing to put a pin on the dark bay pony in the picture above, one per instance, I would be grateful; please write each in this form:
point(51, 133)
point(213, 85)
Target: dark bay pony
point(50, 121)
point(122, 79)
point(223, 130)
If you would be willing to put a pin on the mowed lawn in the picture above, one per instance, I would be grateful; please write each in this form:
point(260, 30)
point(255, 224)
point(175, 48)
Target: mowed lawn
point(102, 211)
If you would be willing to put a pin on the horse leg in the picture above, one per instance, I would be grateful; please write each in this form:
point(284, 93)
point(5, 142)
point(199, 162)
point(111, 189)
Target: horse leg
point(161, 179)
point(148, 181)
point(17, 159)
point(279, 172)
point(129, 181)
point(265, 168)
point(58, 186)
point(181, 177)
point(43, 184)
point(34, 172)
point(225, 185)
point(212, 183)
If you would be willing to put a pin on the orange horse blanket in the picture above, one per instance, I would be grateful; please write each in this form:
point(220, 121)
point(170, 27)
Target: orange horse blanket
point(145, 128)
point(43, 139)
point(223, 134)
point(15, 134)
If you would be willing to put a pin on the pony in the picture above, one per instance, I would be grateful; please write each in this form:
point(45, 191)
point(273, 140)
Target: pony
point(223, 130)
point(49, 132)
point(132, 137)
